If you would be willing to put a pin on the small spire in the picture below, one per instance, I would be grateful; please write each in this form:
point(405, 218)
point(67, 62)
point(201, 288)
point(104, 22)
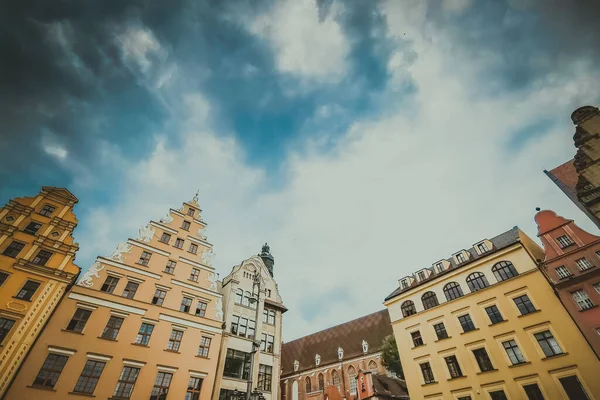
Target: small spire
point(538, 209)
point(195, 199)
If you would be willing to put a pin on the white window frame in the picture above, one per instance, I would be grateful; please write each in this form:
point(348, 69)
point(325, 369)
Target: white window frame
point(582, 299)
point(563, 275)
point(586, 263)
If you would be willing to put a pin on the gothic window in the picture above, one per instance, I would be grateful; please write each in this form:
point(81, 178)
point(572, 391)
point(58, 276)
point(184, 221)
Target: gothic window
point(373, 367)
point(321, 382)
point(429, 300)
point(352, 377)
point(308, 385)
point(408, 308)
point(335, 378)
point(504, 270)
point(452, 291)
point(477, 281)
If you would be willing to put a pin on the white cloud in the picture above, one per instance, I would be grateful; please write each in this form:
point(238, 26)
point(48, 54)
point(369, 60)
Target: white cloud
point(456, 5)
point(138, 45)
point(57, 151)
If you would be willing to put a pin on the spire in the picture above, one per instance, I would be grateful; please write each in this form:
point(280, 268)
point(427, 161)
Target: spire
point(267, 258)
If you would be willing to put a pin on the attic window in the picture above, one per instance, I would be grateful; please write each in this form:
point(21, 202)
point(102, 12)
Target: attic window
point(421, 275)
point(55, 233)
point(482, 247)
point(404, 282)
point(460, 257)
point(439, 267)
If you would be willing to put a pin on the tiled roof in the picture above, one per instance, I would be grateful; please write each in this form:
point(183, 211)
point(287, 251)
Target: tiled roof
point(385, 386)
point(567, 175)
point(499, 242)
point(349, 336)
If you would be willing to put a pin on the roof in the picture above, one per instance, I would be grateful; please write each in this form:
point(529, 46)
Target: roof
point(499, 242)
point(349, 336)
point(385, 386)
point(566, 175)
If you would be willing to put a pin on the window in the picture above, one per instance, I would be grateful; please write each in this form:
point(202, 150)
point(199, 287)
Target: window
point(498, 395)
point(193, 248)
point(159, 297)
point(429, 300)
point(440, 331)
point(13, 249)
point(477, 281)
point(321, 382)
point(563, 272)
point(513, 352)
point(267, 343)
point(42, 257)
point(28, 290)
point(194, 386)
point(246, 300)
point(112, 328)
point(533, 392)
point(5, 327)
point(130, 289)
point(50, 371)
point(32, 228)
point(504, 270)
point(126, 382)
point(335, 378)
point(483, 360)
point(175, 340)
point(201, 309)
point(170, 268)
point(573, 388)
point(143, 336)
point(438, 267)
point(190, 212)
point(408, 308)
point(204, 347)
point(453, 367)
point(564, 241)
point(165, 238)
point(524, 305)
point(427, 373)
point(466, 322)
point(186, 304)
point(79, 320)
point(352, 376)
point(404, 283)
point(582, 299)
point(251, 328)
point(494, 314)
point(179, 243)
point(583, 264)
point(416, 338)
point(548, 344)
point(452, 291)
point(47, 210)
point(226, 394)
point(89, 377)
point(144, 258)
point(269, 316)
point(265, 378)
point(237, 364)
point(460, 258)
point(3, 278)
point(185, 225)
point(372, 367)
point(597, 287)
point(161, 386)
point(194, 274)
point(235, 323)
point(239, 296)
point(482, 247)
point(109, 284)
point(421, 275)
point(242, 326)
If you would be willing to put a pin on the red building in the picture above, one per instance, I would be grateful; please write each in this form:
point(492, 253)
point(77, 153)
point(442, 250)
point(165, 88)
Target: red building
point(572, 267)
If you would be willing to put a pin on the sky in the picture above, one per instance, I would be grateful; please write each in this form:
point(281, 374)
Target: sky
point(363, 140)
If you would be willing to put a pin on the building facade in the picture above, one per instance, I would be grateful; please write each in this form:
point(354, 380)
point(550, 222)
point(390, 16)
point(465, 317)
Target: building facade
point(380, 387)
point(485, 324)
point(250, 356)
point(141, 323)
point(571, 266)
point(37, 254)
point(332, 358)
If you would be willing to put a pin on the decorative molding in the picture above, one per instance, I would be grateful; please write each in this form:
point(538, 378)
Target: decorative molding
point(326, 367)
point(149, 320)
point(199, 241)
point(130, 268)
point(180, 328)
point(198, 374)
point(61, 350)
point(145, 246)
point(86, 307)
point(146, 233)
point(177, 212)
point(197, 288)
point(106, 303)
point(164, 228)
point(134, 279)
point(122, 248)
point(188, 323)
point(195, 264)
point(119, 314)
point(133, 363)
point(163, 287)
point(116, 274)
point(87, 279)
point(207, 256)
point(213, 277)
point(167, 219)
point(166, 368)
point(98, 357)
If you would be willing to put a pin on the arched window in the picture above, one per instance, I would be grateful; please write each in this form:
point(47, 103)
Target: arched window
point(335, 378)
point(321, 382)
point(452, 291)
point(352, 377)
point(429, 300)
point(308, 385)
point(477, 281)
point(504, 270)
point(295, 390)
point(373, 367)
point(408, 308)
point(239, 296)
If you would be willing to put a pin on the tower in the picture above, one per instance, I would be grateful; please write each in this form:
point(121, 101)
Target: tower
point(267, 258)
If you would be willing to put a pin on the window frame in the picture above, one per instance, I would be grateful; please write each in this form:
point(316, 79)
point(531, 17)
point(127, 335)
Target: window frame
point(179, 242)
point(452, 290)
point(4, 331)
point(165, 238)
point(185, 225)
point(524, 303)
point(504, 270)
point(89, 377)
point(546, 339)
point(47, 210)
point(427, 373)
point(111, 331)
point(519, 358)
point(170, 267)
point(564, 241)
point(475, 280)
point(186, 304)
point(9, 250)
point(438, 332)
point(563, 275)
point(481, 363)
point(144, 258)
point(468, 321)
point(585, 263)
point(408, 308)
point(52, 372)
point(126, 383)
point(416, 338)
point(265, 377)
point(78, 321)
point(159, 297)
point(175, 338)
point(194, 275)
point(201, 307)
point(194, 388)
point(27, 293)
point(495, 312)
point(144, 334)
point(455, 371)
point(128, 292)
point(33, 232)
point(110, 284)
point(582, 299)
point(204, 347)
point(429, 300)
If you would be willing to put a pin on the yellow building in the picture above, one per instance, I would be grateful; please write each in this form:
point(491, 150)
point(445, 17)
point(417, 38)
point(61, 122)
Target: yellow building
point(485, 324)
point(36, 266)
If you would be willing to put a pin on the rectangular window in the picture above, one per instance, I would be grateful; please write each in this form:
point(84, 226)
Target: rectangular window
point(524, 305)
point(269, 316)
point(126, 382)
point(3, 278)
point(80, 318)
point(201, 309)
point(143, 336)
point(548, 344)
point(267, 343)
point(243, 326)
point(573, 388)
point(130, 289)
point(193, 248)
point(144, 258)
point(460, 258)
point(533, 392)
point(483, 360)
point(582, 299)
point(498, 395)
point(194, 387)
point(564, 241)
point(32, 228)
point(513, 352)
point(47, 210)
point(109, 284)
point(237, 364)
point(28, 290)
point(438, 267)
point(89, 377)
point(50, 371)
point(5, 327)
point(235, 323)
point(159, 297)
point(13, 249)
point(175, 340)
point(404, 284)
point(584, 264)
point(421, 275)
point(194, 275)
point(427, 372)
point(482, 247)
point(204, 347)
point(417, 339)
point(563, 272)
point(597, 287)
point(42, 257)
point(453, 367)
point(186, 304)
point(112, 328)
point(191, 212)
point(265, 377)
point(466, 322)
point(170, 268)
point(165, 238)
point(440, 331)
point(179, 243)
point(494, 314)
point(185, 226)
point(251, 328)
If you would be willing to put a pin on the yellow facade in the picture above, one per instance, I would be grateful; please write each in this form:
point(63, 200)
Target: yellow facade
point(36, 267)
point(516, 359)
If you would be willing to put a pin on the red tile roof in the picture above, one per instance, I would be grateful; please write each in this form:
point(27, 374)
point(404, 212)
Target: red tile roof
point(566, 174)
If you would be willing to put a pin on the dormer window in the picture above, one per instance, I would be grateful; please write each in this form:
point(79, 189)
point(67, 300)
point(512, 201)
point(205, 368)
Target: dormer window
point(421, 275)
point(460, 258)
point(365, 346)
point(296, 365)
point(482, 248)
point(317, 359)
point(564, 241)
point(404, 283)
point(438, 267)
point(340, 353)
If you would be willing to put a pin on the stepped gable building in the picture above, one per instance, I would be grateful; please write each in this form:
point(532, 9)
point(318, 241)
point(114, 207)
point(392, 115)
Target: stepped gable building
point(333, 357)
point(571, 266)
point(142, 323)
point(250, 355)
point(486, 324)
point(37, 255)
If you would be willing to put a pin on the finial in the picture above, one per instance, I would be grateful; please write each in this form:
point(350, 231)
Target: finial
point(196, 196)
point(537, 209)
point(266, 248)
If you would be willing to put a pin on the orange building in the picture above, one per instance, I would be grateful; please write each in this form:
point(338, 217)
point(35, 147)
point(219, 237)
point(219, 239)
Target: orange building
point(36, 267)
point(141, 323)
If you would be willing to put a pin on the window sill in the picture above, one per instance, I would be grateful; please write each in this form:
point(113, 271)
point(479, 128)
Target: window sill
point(191, 280)
point(110, 340)
point(171, 351)
point(204, 358)
point(139, 344)
point(168, 273)
point(191, 252)
point(429, 383)
point(456, 378)
point(533, 312)
point(487, 372)
point(178, 247)
point(143, 265)
point(446, 338)
point(499, 322)
point(416, 347)
point(565, 277)
point(555, 356)
point(472, 330)
point(41, 388)
point(235, 378)
point(160, 241)
point(589, 308)
point(18, 298)
point(68, 331)
point(82, 394)
point(519, 364)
